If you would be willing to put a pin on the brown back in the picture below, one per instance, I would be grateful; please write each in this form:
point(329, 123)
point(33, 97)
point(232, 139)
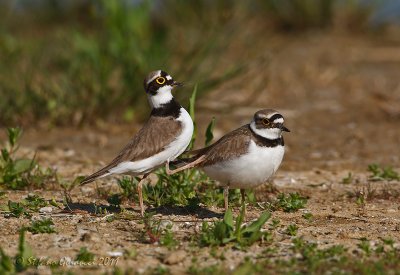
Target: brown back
point(156, 134)
point(232, 145)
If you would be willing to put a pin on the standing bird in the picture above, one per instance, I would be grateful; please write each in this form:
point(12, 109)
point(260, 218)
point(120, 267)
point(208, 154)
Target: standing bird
point(163, 137)
point(244, 158)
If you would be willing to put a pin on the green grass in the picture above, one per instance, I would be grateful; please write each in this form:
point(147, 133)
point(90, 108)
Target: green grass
point(84, 255)
point(21, 173)
point(379, 173)
point(20, 262)
point(32, 203)
point(290, 203)
point(291, 230)
point(237, 233)
point(158, 232)
point(310, 258)
point(348, 179)
point(67, 70)
point(41, 226)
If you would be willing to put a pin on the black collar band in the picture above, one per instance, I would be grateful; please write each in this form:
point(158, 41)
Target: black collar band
point(266, 142)
point(171, 108)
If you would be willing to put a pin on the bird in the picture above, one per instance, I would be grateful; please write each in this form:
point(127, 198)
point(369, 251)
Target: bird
point(244, 158)
point(166, 135)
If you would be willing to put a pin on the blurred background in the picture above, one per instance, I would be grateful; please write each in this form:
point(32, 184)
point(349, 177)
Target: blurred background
point(71, 72)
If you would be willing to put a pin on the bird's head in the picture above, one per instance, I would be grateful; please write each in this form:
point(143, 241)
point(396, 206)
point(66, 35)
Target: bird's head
point(158, 86)
point(268, 123)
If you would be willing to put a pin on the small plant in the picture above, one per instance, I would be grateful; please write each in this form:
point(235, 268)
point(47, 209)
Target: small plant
point(365, 246)
point(159, 234)
point(275, 223)
point(292, 230)
point(84, 255)
point(382, 173)
point(24, 252)
point(20, 173)
point(17, 209)
point(210, 132)
point(31, 203)
point(348, 179)
point(226, 231)
point(158, 270)
point(127, 186)
point(360, 198)
point(308, 216)
point(313, 256)
point(168, 239)
point(42, 226)
point(290, 203)
point(34, 202)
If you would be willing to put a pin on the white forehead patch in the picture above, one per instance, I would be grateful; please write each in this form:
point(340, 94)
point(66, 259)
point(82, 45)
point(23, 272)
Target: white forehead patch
point(278, 120)
point(168, 77)
point(157, 74)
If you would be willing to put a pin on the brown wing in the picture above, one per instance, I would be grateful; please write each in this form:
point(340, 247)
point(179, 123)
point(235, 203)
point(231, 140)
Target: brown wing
point(156, 134)
point(233, 144)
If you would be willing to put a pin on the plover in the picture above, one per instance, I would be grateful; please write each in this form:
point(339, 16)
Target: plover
point(244, 158)
point(163, 138)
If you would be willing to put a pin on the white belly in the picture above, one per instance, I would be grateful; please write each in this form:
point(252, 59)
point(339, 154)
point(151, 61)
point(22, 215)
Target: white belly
point(171, 152)
point(249, 170)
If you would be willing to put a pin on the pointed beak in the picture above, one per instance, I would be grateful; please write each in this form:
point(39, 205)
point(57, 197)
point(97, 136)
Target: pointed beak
point(283, 128)
point(177, 84)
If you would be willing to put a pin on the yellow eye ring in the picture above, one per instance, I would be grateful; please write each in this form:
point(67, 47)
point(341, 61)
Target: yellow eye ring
point(160, 80)
point(266, 121)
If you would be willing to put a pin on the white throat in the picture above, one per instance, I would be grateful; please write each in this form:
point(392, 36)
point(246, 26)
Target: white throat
point(270, 133)
point(162, 96)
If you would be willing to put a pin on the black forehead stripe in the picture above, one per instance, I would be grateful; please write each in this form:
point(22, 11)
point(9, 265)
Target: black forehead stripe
point(276, 116)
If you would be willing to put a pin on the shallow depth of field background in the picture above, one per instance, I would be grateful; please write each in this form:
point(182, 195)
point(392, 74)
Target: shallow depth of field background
point(71, 76)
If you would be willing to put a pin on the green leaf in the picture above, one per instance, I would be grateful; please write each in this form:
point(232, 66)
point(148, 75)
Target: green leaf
point(42, 226)
point(5, 155)
point(256, 225)
point(209, 132)
point(6, 263)
point(24, 252)
point(228, 218)
point(23, 165)
point(13, 135)
point(192, 101)
point(84, 255)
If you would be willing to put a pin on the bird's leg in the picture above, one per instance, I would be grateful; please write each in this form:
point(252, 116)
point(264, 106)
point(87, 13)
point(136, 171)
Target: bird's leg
point(187, 166)
point(169, 171)
point(226, 197)
point(140, 194)
point(243, 193)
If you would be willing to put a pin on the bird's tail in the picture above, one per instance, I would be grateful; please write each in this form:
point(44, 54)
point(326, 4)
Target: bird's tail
point(99, 174)
point(195, 159)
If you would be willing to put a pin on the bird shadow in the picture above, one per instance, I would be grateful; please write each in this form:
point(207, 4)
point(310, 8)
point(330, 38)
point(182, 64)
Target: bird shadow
point(190, 210)
point(90, 208)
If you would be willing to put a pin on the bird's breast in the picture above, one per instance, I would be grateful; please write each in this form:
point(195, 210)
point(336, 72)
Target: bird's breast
point(179, 145)
point(249, 170)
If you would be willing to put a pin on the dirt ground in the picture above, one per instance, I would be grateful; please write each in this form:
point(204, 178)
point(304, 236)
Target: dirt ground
point(340, 96)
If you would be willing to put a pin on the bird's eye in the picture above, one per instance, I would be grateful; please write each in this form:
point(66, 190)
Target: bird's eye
point(266, 121)
point(160, 80)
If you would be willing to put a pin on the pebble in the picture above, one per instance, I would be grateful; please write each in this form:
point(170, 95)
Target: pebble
point(47, 209)
point(115, 253)
point(175, 257)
